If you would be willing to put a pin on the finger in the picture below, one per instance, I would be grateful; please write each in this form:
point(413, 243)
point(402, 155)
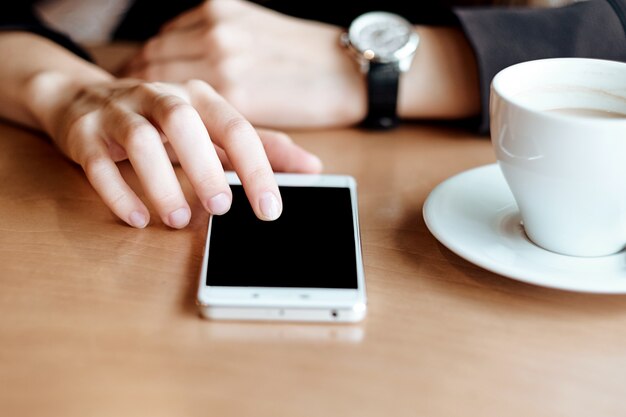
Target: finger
point(190, 18)
point(175, 44)
point(134, 62)
point(185, 131)
point(208, 13)
point(171, 45)
point(226, 164)
point(105, 177)
point(116, 152)
point(230, 131)
point(171, 153)
point(284, 155)
point(172, 71)
point(146, 153)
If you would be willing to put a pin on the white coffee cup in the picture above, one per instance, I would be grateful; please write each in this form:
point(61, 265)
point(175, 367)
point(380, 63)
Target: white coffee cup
point(558, 127)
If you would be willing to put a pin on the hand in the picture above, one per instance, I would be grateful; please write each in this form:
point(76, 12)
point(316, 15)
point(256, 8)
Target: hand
point(276, 70)
point(98, 125)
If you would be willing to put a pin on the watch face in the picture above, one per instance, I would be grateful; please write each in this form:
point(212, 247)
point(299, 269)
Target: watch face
point(381, 35)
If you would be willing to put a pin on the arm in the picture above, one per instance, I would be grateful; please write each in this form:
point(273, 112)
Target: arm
point(282, 71)
point(97, 120)
point(31, 58)
point(442, 82)
point(288, 72)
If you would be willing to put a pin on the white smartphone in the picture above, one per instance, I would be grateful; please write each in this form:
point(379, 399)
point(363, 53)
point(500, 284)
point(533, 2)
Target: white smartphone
point(304, 266)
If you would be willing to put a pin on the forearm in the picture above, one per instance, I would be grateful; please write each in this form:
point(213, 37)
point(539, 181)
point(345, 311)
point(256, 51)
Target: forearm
point(37, 76)
point(442, 82)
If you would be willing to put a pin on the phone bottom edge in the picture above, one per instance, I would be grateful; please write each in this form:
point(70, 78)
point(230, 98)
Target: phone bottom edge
point(325, 315)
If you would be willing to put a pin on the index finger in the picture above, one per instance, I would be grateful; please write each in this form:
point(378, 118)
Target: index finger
point(208, 12)
point(236, 136)
point(185, 20)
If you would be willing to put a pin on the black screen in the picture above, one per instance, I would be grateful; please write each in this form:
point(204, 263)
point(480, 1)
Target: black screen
point(311, 245)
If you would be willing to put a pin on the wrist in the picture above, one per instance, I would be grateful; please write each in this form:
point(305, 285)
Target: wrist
point(355, 106)
point(383, 44)
point(443, 80)
point(47, 94)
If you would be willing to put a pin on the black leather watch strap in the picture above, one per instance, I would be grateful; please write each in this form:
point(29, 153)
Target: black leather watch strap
point(382, 96)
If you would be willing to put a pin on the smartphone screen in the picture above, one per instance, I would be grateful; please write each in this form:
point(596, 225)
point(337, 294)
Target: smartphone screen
point(311, 245)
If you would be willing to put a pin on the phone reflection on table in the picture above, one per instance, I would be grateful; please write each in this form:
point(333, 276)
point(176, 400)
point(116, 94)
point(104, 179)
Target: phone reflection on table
point(272, 332)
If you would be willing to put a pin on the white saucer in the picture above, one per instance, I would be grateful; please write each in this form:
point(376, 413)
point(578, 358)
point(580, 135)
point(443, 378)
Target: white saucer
point(475, 216)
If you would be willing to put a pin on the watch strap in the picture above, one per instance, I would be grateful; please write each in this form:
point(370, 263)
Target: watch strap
point(382, 95)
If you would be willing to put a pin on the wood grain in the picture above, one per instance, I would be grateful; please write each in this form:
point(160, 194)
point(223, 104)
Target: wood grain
point(98, 319)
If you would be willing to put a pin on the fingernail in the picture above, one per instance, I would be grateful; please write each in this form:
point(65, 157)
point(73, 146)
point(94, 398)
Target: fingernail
point(179, 218)
point(270, 208)
point(138, 219)
point(316, 164)
point(219, 204)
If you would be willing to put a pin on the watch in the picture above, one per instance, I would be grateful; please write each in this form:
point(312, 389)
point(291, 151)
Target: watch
point(383, 45)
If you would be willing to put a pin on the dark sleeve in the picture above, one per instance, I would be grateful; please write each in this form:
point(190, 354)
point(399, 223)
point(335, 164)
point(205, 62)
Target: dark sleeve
point(144, 18)
point(20, 16)
point(502, 37)
point(341, 13)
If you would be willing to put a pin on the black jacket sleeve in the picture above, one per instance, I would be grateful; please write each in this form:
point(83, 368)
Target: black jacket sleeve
point(20, 16)
point(503, 37)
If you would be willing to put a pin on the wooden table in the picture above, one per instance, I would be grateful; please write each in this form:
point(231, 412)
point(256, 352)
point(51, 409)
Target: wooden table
point(99, 319)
